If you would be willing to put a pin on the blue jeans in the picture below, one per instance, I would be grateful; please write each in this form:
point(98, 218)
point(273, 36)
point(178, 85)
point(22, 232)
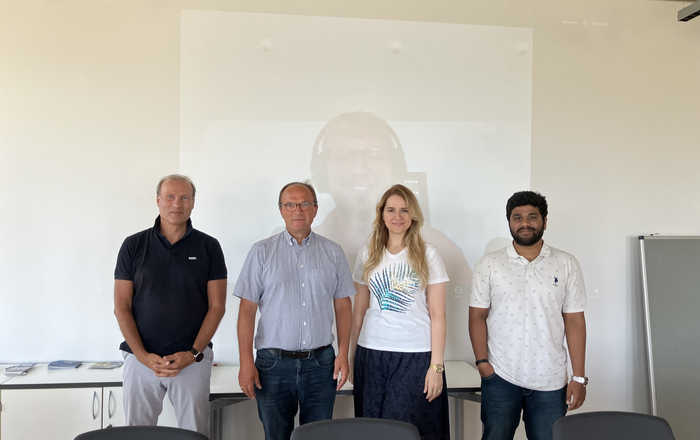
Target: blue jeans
point(291, 384)
point(501, 405)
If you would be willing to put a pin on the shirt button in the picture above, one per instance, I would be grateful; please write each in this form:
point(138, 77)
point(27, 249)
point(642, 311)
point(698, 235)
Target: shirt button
point(302, 266)
point(302, 284)
point(304, 323)
point(303, 304)
point(304, 342)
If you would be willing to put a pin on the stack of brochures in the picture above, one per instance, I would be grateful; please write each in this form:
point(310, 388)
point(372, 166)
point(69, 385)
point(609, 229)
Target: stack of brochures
point(106, 365)
point(18, 370)
point(62, 365)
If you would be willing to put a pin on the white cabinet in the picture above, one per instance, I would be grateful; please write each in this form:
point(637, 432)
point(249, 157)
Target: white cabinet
point(57, 413)
point(112, 407)
point(63, 413)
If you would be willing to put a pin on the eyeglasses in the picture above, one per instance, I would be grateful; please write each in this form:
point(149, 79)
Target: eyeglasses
point(374, 158)
point(291, 207)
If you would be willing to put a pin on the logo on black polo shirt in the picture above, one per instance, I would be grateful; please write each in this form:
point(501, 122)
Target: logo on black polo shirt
point(193, 258)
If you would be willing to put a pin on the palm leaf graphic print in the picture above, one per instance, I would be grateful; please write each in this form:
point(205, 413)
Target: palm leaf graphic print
point(395, 287)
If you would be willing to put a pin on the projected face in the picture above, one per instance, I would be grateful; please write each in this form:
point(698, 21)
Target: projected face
point(359, 169)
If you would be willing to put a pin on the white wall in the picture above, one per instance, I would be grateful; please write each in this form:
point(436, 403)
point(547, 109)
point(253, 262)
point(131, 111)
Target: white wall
point(89, 120)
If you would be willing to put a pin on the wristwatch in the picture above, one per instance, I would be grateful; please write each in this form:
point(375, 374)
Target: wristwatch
point(582, 380)
point(438, 367)
point(198, 355)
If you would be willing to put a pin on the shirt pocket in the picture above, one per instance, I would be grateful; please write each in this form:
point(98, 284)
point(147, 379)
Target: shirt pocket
point(323, 282)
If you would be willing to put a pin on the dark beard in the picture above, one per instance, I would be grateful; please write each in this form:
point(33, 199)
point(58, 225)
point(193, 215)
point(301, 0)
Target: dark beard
point(536, 236)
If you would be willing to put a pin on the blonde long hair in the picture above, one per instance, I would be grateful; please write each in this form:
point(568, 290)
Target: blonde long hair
point(413, 240)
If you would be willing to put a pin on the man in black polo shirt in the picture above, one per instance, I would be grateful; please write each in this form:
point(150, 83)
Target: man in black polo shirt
point(169, 297)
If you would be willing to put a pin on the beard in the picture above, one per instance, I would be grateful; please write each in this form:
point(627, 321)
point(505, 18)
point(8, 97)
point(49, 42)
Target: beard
point(527, 241)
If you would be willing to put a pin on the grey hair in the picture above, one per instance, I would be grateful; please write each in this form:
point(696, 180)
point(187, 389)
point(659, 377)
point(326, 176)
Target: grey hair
point(306, 183)
point(175, 178)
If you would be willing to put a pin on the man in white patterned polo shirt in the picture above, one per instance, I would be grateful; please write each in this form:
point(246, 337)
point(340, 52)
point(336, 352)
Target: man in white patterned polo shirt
point(525, 299)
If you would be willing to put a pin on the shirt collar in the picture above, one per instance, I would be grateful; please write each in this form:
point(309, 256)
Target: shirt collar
point(156, 227)
point(289, 239)
point(514, 255)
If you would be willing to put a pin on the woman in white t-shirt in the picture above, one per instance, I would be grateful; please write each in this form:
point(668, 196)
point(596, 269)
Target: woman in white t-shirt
point(398, 337)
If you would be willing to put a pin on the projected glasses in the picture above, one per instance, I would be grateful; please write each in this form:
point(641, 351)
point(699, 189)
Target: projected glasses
point(374, 158)
point(291, 207)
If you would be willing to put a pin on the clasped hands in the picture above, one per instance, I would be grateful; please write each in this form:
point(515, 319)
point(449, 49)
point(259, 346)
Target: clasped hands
point(167, 366)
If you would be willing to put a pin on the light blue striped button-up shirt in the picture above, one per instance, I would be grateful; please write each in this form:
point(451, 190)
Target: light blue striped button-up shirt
point(294, 286)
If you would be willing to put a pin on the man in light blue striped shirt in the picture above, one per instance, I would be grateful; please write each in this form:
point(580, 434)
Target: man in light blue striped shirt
point(298, 280)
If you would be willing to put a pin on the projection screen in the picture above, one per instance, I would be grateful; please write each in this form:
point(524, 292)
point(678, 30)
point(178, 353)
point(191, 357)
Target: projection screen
point(355, 105)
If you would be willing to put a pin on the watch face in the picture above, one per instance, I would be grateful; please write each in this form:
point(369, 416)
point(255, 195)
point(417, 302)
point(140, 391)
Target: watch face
point(439, 368)
point(582, 380)
point(198, 355)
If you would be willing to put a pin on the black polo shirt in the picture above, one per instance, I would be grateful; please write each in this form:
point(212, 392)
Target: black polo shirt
point(170, 285)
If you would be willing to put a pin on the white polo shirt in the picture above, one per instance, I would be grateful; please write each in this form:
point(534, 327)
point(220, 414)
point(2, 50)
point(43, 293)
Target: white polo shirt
point(525, 325)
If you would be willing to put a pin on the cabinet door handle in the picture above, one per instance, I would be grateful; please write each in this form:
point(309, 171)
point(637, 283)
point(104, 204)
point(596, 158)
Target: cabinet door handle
point(111, 405)
point(95, 405)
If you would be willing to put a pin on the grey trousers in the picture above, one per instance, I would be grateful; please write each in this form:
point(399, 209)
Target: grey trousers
point(188, 392)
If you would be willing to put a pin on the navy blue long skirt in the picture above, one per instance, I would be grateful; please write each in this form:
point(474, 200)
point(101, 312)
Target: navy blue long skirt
point(389, 385)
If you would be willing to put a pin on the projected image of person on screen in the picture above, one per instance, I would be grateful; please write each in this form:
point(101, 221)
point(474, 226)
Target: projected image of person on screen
point(356, 157)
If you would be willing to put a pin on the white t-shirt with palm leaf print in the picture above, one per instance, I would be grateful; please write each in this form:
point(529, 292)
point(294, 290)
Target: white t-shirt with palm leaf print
point(397, 318)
